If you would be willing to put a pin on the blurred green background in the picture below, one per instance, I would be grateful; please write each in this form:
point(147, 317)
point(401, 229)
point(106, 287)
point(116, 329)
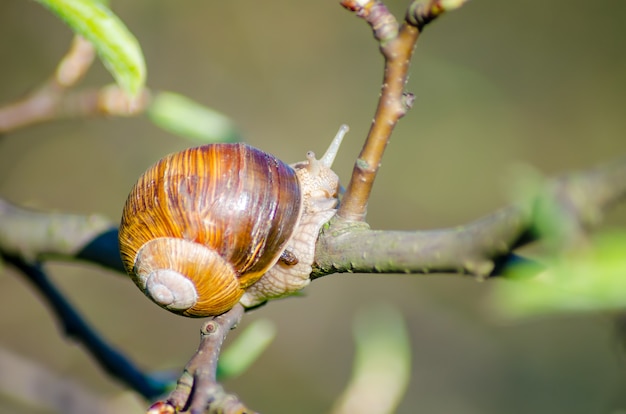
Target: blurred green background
point(497, 83)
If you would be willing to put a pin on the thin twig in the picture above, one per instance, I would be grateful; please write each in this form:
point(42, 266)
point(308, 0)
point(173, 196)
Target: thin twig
point(198, 390)
point(45, 102)
point(53, 99)
point(396, 45)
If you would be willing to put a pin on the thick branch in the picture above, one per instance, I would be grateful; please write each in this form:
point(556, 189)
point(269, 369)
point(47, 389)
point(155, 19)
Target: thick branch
point(38, 389)
point(466, 249)
point(35, 236)
point(575, 201)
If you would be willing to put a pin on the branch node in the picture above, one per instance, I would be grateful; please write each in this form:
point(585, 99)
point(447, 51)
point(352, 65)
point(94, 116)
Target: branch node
point(112, 100)
point(363, 165)
point(420, 13)
point(208, 328)
point(375, 13)
point(407, 101)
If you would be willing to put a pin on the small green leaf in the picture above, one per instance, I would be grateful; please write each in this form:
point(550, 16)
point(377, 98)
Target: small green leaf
point(117, 47)
point(591, 280)
point(382, 363)
point(246, 348)
point(189, 119)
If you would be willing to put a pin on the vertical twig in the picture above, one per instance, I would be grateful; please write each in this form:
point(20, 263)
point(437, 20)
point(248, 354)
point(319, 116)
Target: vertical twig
point(198, 390)
point(397, 43)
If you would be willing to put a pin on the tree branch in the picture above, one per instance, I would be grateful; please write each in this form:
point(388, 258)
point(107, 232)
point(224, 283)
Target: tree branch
point(397, 43)
point(574, 201)
point(36, 236)
point(35, 387)
point(470, 249)
point(347, 244)
point(74, 326)
point(52, 100)
point(198, 390)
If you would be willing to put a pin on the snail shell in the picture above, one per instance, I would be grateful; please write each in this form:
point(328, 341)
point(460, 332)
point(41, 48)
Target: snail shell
point(204, 228)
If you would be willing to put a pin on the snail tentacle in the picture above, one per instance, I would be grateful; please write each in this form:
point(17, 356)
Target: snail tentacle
point(329, 157)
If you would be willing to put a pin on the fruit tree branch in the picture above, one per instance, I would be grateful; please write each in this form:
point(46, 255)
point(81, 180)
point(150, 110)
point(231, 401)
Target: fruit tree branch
point(397, 43)
point(54, 99)
point(573, 202)
point(198, 390)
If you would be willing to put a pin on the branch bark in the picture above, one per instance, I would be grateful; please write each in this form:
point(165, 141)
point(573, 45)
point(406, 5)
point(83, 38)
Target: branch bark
point(197, 390)
point(576, 201)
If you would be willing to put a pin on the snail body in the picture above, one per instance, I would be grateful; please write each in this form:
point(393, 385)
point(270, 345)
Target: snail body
point(211, 226)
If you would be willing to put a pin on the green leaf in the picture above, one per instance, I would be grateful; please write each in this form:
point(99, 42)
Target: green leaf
point(246, 348)
point(382, 363)
point(184, 117)
point(117, 47)
point(589, 280)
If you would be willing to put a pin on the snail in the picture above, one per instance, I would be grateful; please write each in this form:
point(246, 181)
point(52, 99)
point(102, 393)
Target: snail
point(211, 226)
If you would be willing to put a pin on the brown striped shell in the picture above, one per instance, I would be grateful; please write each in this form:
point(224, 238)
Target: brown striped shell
point(204, 224)
point(205, 228)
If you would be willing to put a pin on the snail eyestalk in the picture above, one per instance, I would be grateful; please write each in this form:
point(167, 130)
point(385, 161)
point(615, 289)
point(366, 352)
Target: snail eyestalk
point(329, 157)
point(314, 165)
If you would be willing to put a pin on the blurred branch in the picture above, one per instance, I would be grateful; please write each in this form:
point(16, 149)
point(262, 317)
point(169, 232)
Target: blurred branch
point(53, 100)
point(117, 48)
point(34, 386)
point(35, 236)
point(397, 43)
point(74, 326)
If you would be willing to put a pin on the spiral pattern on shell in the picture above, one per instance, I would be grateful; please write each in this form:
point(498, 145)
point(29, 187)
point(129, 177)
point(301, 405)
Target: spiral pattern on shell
point(202, 225)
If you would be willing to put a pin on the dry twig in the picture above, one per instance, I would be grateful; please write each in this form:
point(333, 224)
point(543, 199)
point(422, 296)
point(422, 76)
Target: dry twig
point(54, 99)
